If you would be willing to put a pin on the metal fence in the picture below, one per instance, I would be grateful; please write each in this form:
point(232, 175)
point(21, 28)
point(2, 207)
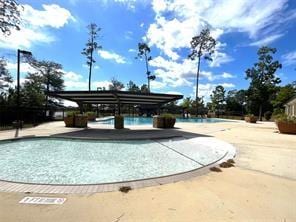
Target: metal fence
point(29, 115)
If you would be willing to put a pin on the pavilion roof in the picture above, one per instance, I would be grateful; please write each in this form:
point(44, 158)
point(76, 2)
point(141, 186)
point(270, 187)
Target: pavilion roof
point(115, 97)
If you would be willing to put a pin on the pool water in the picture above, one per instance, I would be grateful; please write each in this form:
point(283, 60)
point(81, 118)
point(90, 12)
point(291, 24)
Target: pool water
point(73, 161)
point(148, 120)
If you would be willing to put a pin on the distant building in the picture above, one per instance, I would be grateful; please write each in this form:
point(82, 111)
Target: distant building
point(290, 107)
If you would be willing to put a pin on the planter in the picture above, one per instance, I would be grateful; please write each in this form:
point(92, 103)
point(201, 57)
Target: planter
point(251, 119)
point(158, 122)
point(80, 121)
point(286, 127)
point(118, 122)
point(69, 121)
point(163, 122)
point(91, 117)
point(169, 122)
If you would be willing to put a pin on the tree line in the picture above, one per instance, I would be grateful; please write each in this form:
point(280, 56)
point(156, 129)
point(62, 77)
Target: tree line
point(264, 94)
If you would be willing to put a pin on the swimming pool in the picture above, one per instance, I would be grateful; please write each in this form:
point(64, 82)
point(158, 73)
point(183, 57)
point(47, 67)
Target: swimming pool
point(75, 161)
point(148, 120)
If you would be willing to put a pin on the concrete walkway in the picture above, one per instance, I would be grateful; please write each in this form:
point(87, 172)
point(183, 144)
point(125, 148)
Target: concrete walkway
point(261, 187)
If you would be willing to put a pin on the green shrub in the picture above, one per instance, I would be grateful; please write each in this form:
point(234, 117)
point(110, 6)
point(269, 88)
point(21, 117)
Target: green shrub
point(284, 118)
point(278, 111)
point(118, 117)
point(250, 115)
point(79, 114)
point(90, 113)
point(167, 115)
point(71, 113)
point(267, 115)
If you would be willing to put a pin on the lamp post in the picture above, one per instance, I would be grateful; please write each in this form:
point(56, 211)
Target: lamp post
point(19, 52)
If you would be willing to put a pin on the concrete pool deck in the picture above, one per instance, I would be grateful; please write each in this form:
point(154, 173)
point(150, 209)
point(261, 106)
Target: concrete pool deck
point(261, 187)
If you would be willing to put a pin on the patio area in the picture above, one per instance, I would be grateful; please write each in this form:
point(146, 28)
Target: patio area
point(260, 187)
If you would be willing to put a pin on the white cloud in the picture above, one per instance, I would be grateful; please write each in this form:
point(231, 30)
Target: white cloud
point(35, 26)
point(128, 35)
point(76, 85)
point(289, 58)
point(176, 21)
point(245, 16)
point(174, 92)
point(226, 75)
point(169, 35)
point(219, 58)
point(87, 67)
point(24, 67)
point(205, 90)
point(52, 16)
point(183, 73)
point(212, 77)
point(142, 25)
point(157, 85)
point(267, 40)
point(177, 74)
point(112, 56)
point(14, 83)
point(132, 50)
point(74, 81)
point(72, 76)
point(25, 38)
point(129, 4)
point(227, 85)
point(103, 84)
point(172, 73)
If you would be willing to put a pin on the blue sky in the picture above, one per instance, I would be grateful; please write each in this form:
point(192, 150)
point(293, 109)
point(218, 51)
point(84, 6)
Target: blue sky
point(56, 30)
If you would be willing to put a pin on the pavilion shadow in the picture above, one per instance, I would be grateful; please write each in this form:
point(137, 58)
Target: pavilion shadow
point(128, 134)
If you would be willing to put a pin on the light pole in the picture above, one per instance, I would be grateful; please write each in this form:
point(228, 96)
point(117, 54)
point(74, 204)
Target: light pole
point(19, 52)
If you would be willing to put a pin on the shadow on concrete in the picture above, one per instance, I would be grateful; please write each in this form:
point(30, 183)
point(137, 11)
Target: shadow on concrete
point(128, 134)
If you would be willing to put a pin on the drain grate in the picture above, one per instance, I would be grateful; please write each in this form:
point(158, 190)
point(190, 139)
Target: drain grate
point(42, 200)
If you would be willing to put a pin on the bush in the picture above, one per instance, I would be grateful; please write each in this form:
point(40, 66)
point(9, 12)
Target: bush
point(91, 113)
point(71, 113)
point(165, 120)
point(278, 111)
point(80, 120)
point(250, 115)
point(91, 116)
point(267, 115)
point(250, 118)
point(167, 115)
point(284, 118)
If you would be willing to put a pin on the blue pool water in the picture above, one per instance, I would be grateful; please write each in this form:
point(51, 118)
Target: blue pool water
point(148, 120)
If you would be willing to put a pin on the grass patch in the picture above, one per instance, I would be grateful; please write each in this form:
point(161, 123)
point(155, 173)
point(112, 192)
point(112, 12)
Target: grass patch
point(215, 169)
point(125, 189)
